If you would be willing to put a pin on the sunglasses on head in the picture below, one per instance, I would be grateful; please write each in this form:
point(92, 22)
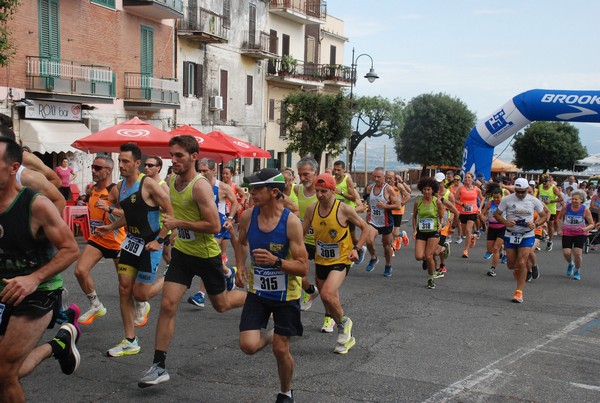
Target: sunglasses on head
point(149, 165)
point(97, 167)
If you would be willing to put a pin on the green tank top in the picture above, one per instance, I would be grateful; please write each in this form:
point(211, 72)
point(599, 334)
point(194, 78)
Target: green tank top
point(293, 197)
point(427, 216)
point(343, 186)
point(303, 203)
point(185, 208)
point(548, 195)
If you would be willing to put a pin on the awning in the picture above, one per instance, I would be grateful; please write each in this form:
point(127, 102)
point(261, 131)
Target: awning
point(48, 137)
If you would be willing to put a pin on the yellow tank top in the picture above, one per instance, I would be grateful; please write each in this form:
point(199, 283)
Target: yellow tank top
point(293, 197)
point(303, 203)
point(333, 241)
point(546, 195)
point(192, 243)
point(343, 186)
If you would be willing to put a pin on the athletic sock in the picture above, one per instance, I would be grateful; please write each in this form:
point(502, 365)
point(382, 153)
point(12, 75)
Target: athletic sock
point(159, 358)
point(130, 340)
point(93, 298)
point(288, 393)
point(310, 289)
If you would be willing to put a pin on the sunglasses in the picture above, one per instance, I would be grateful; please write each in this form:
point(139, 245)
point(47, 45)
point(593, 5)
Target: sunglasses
point(97, 167)
point(520, 192)
point(149, 165)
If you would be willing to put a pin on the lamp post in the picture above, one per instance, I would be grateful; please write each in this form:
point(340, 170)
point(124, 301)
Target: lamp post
point(371, 76)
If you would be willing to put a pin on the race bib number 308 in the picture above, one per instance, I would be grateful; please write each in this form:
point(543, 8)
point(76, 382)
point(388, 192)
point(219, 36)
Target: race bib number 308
point(186, 234)
point(328, 250)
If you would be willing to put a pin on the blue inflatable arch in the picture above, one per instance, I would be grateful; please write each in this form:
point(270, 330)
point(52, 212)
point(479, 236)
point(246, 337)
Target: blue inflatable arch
point(529, 106)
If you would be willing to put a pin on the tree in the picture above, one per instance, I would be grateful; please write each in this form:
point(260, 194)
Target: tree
point(378, 116)
point(435, 129)
point(548, 146)
point(7, 50)
point(315, 122)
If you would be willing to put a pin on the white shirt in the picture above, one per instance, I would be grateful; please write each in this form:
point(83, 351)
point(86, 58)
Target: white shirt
point(520, 212)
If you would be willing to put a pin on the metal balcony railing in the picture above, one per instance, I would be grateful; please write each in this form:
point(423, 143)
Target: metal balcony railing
point(288, 67)
point(311, 8)
point(258, 41)
point(201, 20)
point(70, 77)
point(139, 86)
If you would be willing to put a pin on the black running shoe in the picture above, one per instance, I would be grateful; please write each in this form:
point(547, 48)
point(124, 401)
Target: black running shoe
point(281, 398)
point(528, 276)
point(69, 358)
point(535, 273)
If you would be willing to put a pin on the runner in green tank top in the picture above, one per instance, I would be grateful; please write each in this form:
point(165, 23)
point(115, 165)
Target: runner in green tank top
point(550, 195)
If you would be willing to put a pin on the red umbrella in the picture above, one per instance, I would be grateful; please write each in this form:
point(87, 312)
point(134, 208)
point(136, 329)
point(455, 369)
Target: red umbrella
point(243, 148)
point(151, 139)
point(209, 147)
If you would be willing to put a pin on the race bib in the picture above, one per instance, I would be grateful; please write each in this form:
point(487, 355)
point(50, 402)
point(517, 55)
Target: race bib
point(310, 231)
point(186, 234)
point(468, 208)
point(574, 219)
point(95, 224)
point(515, 238)
point(545, 198)
point(426, 224)
point(328, 250)
point(376, 211)
point(133, 245)
point(269, 279)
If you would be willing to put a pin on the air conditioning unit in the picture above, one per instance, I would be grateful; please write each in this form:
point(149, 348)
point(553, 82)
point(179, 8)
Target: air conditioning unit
point(92, 124)
point(215, 103)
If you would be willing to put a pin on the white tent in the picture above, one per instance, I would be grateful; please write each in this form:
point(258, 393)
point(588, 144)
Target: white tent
point(589, 161)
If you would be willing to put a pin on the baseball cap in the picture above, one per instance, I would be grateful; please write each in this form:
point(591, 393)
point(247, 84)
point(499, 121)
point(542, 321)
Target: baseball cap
point(532, 183)
point(326, 181)
point(521, 183)
point(440, 177)
point(270, 177)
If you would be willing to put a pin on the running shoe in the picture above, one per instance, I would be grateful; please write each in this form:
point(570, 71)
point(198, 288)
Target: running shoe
point(142, 309)
point(92, 313)
point(537, 248)
point(570, 268)
point(361, 254)
point(231, 278)
point(328, 325)
point(446, 249)
point(372, 263)
point(387, 271)
point(281, 398)
point(503, 258)
point(430, 284)
point(69, 357)
point(197, 299)
point(528, 279)
point(473, 240)
point(344, 331)
point(153, 376)
point(549, 246)
point(73, 313)
point(492, 272)
point(458, 241)
point(424, 265)
point(518, 297)
point(397, 243)
point(577, 275)
point(307, 300)
point(535, 272)
point(343, 348)
point(438, 274)
point(488, 255)
point(405, 239)
point(125, 347)
point(465, 254)
point(442, 268)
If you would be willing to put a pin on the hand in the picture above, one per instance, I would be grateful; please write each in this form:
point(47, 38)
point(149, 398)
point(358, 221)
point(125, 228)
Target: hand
point(559, 232)
point(17, 288)
point(510, 224)
point(101, 204)
point(353, 255)
point(263, 257)
point(228, 223)
point(241, 277)
point(380, 204)
point(170, 222)
point(102, 230)
point(153, 245)
point(531, 225)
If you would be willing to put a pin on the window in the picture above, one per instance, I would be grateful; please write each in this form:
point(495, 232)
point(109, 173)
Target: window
point(271, 110)
point(252, 25)
point(310, 49)
point(193, 79)
point(49, 26)
point(285, 45)
point(147, 51)
point(249, 89)
point(224, 86)
point(282, 117)
point(332, 54)
point(105, 3)
point(227, 14)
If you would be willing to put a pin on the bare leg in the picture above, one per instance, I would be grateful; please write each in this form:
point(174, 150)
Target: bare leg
point(285, 362)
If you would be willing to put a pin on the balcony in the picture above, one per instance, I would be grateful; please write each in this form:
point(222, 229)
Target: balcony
point(201, 25)
point(258, 47)
point(146, 92)
point(300, 11)
point(337, 74)
point(155, 9)
point(287, 70)
point(68, 80)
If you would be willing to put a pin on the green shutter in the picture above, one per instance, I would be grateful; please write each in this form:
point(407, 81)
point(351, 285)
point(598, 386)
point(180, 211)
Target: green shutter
point(147, 51)
point(49, 27)
point(106, 3)
point(288, 162)
point(271, 161)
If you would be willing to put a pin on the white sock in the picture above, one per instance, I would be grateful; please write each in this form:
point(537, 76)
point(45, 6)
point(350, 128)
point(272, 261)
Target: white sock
point(288, 393)
point(93, 298)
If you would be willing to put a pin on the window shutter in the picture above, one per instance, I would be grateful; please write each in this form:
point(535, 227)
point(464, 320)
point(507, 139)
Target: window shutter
point(186, 78)
point(226, 13)
point(271, 110)
point(252, 25)
point(271, 161)
point(49, 26)
point(249, 89)
point(199, 85)
point(147, 51)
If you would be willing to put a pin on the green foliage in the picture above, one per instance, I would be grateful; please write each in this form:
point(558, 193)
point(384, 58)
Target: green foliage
point(7, 49)
point(548, 146)
point(315, 122)
point(378, 116)
point(435, 129)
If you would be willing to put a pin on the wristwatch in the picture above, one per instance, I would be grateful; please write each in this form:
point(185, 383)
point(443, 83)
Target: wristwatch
point(160, 240)
point(111, 208)
point(277, 264)
point(341, 192)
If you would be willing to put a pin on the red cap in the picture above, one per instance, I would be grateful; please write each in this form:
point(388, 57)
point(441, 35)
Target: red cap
point(326, 181)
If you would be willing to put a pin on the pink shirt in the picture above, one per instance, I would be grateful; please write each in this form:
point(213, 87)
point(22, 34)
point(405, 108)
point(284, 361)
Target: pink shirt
point(64, 175)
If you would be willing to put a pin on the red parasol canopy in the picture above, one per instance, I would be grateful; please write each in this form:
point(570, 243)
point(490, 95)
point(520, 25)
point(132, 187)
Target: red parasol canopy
point(243, 148)
point(151, 139)
point(209, 147)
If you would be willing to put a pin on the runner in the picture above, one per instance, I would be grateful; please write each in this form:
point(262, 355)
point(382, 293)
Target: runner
point(278, 261)
point(519, 238)
point(195, 252)
point(140, 200)
point(228, 173)
point(335, 251)
point(30, 294)
point(454, 188)
point(427, 221)
point(468, 197)
point(102, 212)
point(495, 230)
point(550, 195)
point(402, 191)
point(572, 227)
point(382, 200)
point(443, 248)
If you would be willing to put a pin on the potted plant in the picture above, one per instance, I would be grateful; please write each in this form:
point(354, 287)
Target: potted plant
point(288, 64)
point(330, 70)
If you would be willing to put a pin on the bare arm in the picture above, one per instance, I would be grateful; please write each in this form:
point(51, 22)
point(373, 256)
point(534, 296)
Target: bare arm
point(241, 248)
point(308, 215)
point(350, 193)
point(158, 196)
point(204, 197)
point(229, 195)
point(36, 181)
point(31, 161)
point(290, 205)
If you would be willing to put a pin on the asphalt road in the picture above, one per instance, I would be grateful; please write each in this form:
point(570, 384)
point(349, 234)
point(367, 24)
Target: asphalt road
point(465, 341)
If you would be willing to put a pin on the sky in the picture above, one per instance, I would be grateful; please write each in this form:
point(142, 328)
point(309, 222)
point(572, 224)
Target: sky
point(482, 52)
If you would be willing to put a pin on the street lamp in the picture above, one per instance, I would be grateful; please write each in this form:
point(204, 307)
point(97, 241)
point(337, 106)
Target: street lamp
point(371, 76)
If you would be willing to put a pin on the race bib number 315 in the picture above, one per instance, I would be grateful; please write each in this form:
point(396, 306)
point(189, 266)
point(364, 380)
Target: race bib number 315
point(269, 279)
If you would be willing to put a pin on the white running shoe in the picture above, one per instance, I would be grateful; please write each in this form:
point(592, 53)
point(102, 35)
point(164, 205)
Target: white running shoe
point(125, 347)
point(328, 325)
point(92, 313)
point(141, 313)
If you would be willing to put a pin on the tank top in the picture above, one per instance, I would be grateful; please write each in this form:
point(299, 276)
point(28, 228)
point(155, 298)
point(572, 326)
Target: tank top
point(548, 195)
point(427, 215)
point(269, 282)
point(303, 203)
point(98, 217)
point(293, 196)
point(20, 253)
point(142, 219)
point(446, 230)
point(379, 217)
point(574, 221)
point(199, 244)
point(333, 240)
point(468, 200)
point(492, 222)
point(400, 210)
point(343, 186)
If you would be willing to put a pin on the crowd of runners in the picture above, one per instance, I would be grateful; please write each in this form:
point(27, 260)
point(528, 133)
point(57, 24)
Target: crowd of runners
point(275, 228)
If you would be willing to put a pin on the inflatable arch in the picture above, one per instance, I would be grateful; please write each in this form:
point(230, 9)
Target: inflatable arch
point(529, 106)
